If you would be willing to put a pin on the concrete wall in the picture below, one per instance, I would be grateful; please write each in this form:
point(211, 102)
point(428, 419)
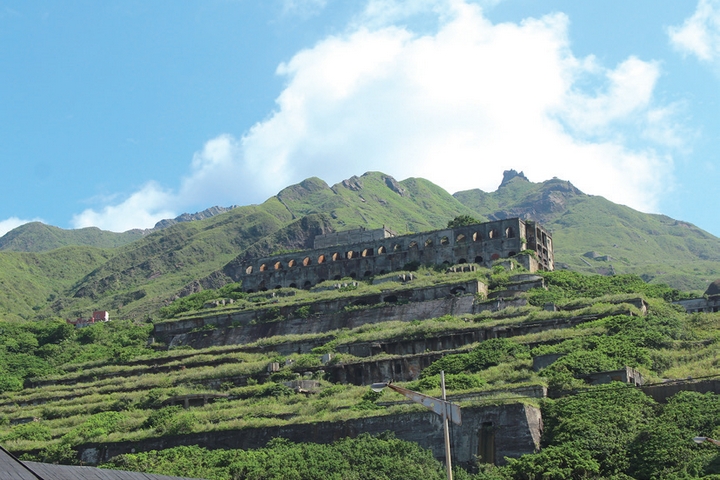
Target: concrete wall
point(661, 392)
point(696, 305)
point(359, 235)
point(482, 244)
point(515, 429)
point(261, 318)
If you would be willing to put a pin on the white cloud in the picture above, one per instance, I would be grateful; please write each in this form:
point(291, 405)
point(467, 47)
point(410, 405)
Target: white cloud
point(699, 35)
point(12, 223)
point(461, 105)
point(142, 209)
point(457, 106)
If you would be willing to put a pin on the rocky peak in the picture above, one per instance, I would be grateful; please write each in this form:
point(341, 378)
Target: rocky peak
point(393, 185)
point(190, 217)
point(511, 174)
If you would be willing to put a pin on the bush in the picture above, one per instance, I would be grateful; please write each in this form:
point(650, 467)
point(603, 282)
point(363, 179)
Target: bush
point(29, 431)
point(458, 381)
point(98, 425)
point(488, 354)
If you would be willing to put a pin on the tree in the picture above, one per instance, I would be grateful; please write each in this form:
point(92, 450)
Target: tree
point(462, 221)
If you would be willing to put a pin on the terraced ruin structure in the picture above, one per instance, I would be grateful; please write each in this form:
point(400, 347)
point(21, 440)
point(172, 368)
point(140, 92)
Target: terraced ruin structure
point(366, 253)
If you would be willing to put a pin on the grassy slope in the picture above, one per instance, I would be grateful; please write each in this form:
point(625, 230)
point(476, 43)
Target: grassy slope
point(38, 237)
point(135, 387)
point(369, 201)
point(134, 280)
point(26, 285)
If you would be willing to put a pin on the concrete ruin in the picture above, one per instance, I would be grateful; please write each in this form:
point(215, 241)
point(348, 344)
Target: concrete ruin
point(375, 252)
point(488, 434)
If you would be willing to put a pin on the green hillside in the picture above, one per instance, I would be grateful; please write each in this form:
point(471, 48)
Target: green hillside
point(38, 237)
point(133, 280)
point(107, 383)
point(594, 235)
point(32, 284)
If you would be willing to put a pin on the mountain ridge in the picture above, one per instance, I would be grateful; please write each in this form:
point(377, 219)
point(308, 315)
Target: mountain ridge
point(134, 280)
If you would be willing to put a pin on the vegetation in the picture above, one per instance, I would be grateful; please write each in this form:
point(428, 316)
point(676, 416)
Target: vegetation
point(364, 457)
point(61, 387)
point(47, 272)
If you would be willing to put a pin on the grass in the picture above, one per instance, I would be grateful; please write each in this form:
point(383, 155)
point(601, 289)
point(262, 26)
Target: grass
point(136, 390)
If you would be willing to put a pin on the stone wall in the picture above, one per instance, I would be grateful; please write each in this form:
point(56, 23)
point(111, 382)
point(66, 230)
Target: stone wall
point(661, 392)
point(346, 237)
point(703, 304)
point(482, 244)
point(500, 430)
point(262, 318)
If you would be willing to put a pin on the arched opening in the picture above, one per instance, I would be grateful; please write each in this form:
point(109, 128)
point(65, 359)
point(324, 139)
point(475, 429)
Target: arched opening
point(477, 237)
point(478, 259)
point(337, 277)
point(413, 246)
point(494, 256)
point(494, 234)
point(349, 254)
point(511, 254)
point(320, 280)
point(278, 287)
point(306, 261)
point(353, 275)
point(462, 260)
point(307, 285)
point(509, 232)
point(444, 241)
point(460, 238)
point(382, 272)
point(293, 285)
point(248, 270)
point(321, 259)
point(428, 242)
point(335, 256)
point(397, 247)
point(278, 265)
point(390, 299)
point(250, 290)
point(263, 267)
point(368, 252)
point(292, 263)
point(381, 250)
point(263, 289)
point(457, 290)
point(368, 273)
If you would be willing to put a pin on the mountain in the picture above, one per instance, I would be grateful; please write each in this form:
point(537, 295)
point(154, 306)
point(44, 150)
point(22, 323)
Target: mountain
point(590, 233)
point(593, 235)
point(191, 217)
point(38, 237)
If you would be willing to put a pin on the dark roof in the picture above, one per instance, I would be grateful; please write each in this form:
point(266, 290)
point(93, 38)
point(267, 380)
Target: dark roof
point(13, 469)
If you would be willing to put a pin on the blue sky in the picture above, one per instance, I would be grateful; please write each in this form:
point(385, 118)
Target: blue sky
point(117, 114)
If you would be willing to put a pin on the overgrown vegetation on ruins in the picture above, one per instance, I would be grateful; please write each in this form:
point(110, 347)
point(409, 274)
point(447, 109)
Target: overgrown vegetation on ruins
point(108, 383)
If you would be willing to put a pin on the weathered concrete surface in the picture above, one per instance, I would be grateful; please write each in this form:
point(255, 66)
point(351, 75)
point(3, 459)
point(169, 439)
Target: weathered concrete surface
point(482, 244)
point(661, 392)
point(271, 314)
point(511, 430)
point(248, 333)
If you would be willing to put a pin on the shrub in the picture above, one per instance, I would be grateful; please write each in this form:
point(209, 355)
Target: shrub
point(29, 431)
point(488, 354)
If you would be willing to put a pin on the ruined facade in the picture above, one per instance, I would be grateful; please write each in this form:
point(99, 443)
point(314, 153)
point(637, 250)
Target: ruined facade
point(376, 252)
